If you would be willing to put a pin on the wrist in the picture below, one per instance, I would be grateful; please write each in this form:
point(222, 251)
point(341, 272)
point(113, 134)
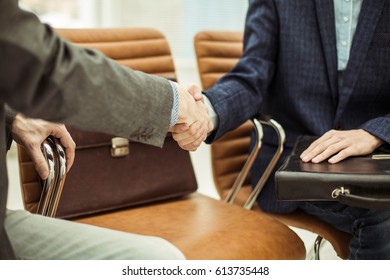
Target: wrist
point(375, 141)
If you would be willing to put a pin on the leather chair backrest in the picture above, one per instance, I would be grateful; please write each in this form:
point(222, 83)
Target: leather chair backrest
point(143, 49)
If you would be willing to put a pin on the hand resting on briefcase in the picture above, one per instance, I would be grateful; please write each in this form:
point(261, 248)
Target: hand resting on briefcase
point(357, 181)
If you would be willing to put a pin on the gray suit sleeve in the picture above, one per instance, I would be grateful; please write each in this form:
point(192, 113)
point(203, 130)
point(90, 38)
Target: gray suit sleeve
point(42, 75)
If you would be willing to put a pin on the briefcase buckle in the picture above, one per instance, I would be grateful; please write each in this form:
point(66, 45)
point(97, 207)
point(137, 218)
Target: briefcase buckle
point(340, 191)
point(119, 147)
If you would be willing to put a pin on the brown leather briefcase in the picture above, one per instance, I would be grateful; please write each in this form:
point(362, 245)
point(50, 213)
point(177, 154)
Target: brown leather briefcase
point(110, 173)
point(362, 181)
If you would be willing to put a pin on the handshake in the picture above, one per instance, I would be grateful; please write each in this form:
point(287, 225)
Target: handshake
point(193, 123)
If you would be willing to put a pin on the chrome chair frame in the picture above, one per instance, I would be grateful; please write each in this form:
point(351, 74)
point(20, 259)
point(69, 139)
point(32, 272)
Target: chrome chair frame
point(52, 187)
point(258, 123)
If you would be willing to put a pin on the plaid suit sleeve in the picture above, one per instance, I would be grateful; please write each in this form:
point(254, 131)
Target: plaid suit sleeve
point(246, 85)
point(380, 127)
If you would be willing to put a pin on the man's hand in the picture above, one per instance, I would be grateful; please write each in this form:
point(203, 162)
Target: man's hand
point(30, 133)
point(196, 92)
point(336, 145)
point(189, 137)
point(194, 122)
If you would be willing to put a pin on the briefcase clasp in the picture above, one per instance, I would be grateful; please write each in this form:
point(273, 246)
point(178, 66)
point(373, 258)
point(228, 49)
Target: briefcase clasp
point(339, 191)
point(119, 147)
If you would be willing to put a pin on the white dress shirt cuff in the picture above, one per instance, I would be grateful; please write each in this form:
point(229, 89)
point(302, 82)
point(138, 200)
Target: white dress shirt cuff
point(213, 115)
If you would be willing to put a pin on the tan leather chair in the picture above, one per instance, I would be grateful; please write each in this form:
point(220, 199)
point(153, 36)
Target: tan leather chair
point(217, 52)
point(202, 227)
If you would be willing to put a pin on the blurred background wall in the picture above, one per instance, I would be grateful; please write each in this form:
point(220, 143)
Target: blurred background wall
point(179, 20)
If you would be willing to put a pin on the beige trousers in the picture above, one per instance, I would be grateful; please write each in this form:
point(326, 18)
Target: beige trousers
point(40, 238)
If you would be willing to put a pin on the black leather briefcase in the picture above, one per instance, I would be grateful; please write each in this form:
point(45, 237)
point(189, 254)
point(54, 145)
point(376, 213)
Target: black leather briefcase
point(362, 181)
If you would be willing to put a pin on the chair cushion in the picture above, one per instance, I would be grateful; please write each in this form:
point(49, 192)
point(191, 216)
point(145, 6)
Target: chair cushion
point(206, 228)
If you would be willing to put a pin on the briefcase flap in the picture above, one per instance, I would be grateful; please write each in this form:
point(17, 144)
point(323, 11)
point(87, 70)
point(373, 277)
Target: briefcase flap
point(357, 176)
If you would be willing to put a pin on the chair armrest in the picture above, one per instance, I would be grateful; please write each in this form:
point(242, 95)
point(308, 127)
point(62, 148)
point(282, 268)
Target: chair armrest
point(237, 185)
point(52, 187)
point(258, 122)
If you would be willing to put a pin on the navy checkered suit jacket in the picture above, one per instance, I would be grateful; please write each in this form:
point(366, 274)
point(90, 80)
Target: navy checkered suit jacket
point(289, 71)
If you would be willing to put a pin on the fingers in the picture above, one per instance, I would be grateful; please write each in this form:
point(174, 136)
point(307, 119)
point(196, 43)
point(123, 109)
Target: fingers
point(30, 133)
point(197, 133)
point(67, 142)
point(191, 139)
point(39, 161)
point(178, 128)
point(325, 150)
point(314, 151)
point(336, 146)
point(343, 154)
point(326, 146)
point(193, 119)
point(192, 147)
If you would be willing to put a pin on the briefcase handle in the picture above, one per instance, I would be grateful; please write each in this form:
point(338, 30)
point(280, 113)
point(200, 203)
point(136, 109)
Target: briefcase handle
point(344, 195)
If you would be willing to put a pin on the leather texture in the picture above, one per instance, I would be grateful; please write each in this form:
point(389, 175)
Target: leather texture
point(142, 49)
point(203, 228)
point(365, 182)
point(216, 53)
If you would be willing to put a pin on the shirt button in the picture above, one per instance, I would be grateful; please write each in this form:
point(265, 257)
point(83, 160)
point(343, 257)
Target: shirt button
point(344, 43)
point(345, 19)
